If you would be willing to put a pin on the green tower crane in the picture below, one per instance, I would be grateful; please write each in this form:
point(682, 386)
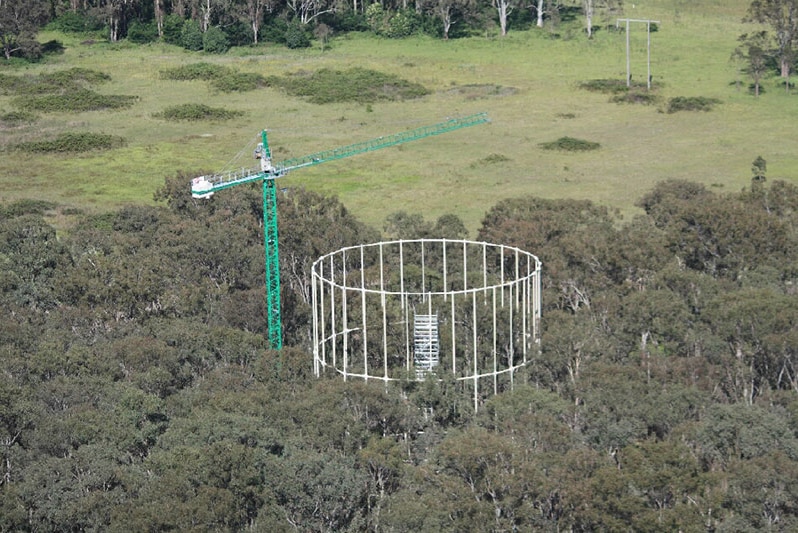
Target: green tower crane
point(206, 186)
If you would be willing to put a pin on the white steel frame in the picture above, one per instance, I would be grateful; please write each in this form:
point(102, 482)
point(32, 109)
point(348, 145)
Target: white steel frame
point(487, 298)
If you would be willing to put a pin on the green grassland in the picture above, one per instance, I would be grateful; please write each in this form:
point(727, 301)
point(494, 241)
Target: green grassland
point(528, 82)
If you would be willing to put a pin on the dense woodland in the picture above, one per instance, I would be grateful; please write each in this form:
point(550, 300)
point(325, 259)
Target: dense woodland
point(137, 392)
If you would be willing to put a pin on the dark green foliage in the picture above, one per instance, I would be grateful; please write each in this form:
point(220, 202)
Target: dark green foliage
point(141, 33)
point(17, 118)
point(608, 86)
point(222, 78)
point(138, 393)
point(191, 35)
point(691, 103)
point(214, 41)
point(172, 28)
point(74, 102)
point(570, 144)
point(635, 97)
point(73, 142)
point(58, 82)
point(75, 22)
point(238, 81)
point(27, 207)
point(296, 37)
point(354, 85)
point(197, 112)
point(195, 71)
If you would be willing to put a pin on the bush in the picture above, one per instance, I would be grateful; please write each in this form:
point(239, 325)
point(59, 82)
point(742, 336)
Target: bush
point(402, 24)
point(239, 34)
point(172, 29)
point(73, 142)
point(607, 86)
point(570, 144)
point(191, 36)
point(239, 81)
point(27, 207)
point(295, 36)
point(197, 112)
point(214, 41)
point(691, 103)
point(17, 118)
point(74, 101)
point(75, 22)
point(142, 32)
point(635, 97)
point(195, 71)
point(353, 85)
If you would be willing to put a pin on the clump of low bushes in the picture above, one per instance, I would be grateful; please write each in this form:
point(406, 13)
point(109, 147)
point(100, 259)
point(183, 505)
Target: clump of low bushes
point(17, 118)
point(52, 82)
point(221, 78)
point(353, 85)
point(73, 101)
point(72, 142)
point(197, 112)
point(570, 144)
point(691, 103)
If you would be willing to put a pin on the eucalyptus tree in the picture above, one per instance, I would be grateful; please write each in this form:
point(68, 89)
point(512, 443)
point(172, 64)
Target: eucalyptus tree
point(19, 22)
point(782, 17)
point(450, 12)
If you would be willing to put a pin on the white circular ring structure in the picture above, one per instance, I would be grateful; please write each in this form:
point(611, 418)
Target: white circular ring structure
point(405, 309)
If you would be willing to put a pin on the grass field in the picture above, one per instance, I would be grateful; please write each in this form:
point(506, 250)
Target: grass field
point(540, 101)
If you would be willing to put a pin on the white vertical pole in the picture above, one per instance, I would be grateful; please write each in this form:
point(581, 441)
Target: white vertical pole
point(363, 313)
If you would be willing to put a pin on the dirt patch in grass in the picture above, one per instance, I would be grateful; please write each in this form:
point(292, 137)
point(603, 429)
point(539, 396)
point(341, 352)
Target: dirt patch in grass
point(480, 91)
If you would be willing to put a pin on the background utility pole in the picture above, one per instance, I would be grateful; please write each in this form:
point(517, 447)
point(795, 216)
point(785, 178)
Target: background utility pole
point(648, 48)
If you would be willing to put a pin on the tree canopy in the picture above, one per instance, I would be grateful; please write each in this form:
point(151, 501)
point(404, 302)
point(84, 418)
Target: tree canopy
point(138, 391)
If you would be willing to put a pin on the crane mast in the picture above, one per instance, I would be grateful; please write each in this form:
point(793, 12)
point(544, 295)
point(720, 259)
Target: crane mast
point(206, 186)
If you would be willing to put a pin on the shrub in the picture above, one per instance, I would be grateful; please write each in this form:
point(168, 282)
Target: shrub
point(353, 85)
point(191, 36)
point(75, 22)
point(238, 81)
point(17, 118)
point(402, 24)
point(492, 159)
point(609, 86)
point(214, 41)
point(194, 71)
point(27, 207)
point(635, 97)
point(73, 142)
point(295, 37)
point(197, 112)
point(73, 101)
point(570, 144)
point(239, 34)
point(142, 32)
point(172, 29)
point(691, 103)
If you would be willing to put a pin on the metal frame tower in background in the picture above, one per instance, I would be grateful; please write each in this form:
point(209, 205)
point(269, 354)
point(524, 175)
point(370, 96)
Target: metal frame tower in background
point(409, 310)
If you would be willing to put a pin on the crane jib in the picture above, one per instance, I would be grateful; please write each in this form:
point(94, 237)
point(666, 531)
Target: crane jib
point(205, 186)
